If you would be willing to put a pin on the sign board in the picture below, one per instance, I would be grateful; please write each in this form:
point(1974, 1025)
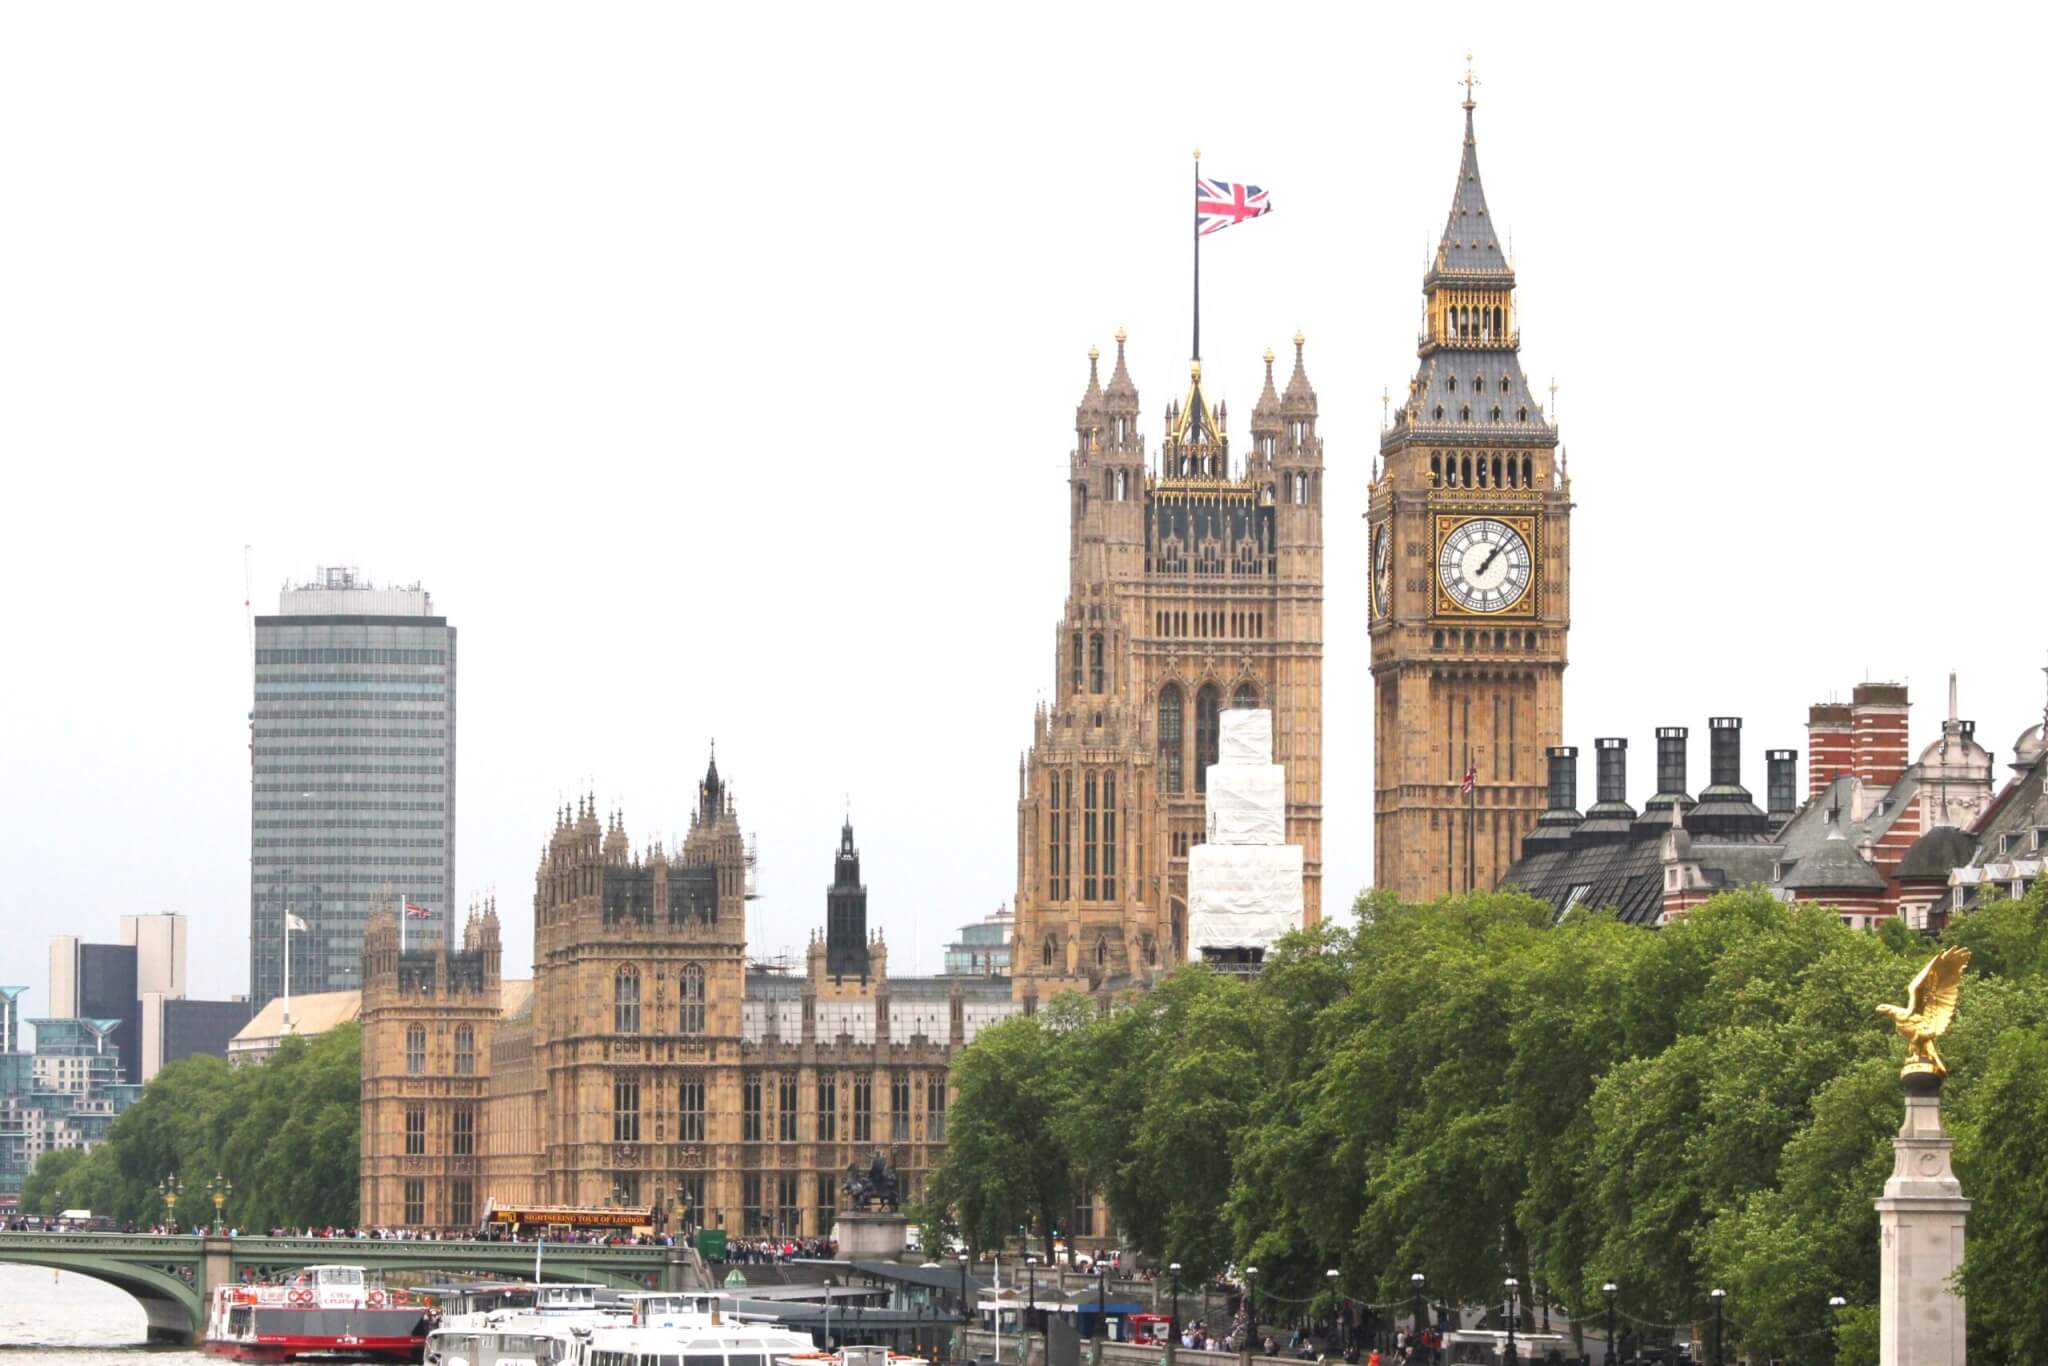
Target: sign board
point(711, 1244)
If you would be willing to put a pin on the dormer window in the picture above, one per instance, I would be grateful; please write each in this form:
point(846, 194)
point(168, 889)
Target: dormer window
point(1465, 414)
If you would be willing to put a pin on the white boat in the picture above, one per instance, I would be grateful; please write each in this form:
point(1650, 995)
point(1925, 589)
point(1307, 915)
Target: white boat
point(333, 1312)
point(716, 1341)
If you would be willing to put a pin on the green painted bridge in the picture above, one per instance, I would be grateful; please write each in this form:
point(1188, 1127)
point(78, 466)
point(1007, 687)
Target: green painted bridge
point(174, 1275)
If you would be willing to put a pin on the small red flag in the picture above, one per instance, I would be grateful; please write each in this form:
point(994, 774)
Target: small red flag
point(1471, 779)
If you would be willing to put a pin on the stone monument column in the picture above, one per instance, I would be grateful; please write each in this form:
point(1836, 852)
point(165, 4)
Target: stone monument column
point(1921, 1218)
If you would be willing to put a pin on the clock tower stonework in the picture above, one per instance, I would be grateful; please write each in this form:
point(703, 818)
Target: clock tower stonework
point(1469, 524)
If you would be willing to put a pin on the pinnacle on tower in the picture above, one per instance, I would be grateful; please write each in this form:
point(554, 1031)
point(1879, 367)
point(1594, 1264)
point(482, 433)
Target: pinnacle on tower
point(1120, 385)
point(1469, 243)
point(1301, 395)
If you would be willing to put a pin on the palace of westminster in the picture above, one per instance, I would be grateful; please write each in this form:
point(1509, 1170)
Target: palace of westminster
point(649, 1063)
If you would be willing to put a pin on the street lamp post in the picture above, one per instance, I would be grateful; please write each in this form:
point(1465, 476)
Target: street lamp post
point(1173, 1309)
point(1030, 1291)
point(1101, 1300)
point(1719, 1296)
point(1609, 1290)
point(170, 1188)
point(966, 1305)
point(1514, 1286)
point(1251, 1306)
point(220, 1188)
point(1415, 1280)
point(1336, 1307)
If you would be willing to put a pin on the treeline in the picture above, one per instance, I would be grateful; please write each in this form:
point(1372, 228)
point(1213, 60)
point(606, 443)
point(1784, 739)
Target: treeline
point(1465, 1090)
point(286, 1134)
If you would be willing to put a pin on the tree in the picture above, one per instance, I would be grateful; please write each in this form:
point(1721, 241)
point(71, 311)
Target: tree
point(1006, 1169)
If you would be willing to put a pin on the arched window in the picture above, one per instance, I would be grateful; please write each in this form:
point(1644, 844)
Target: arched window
point(465, 1051)
point(1096, 672)
point(1050, 942)
point(1091, 817)
point(416, 1049)
point(1526, 482)
point(1496, 459)
point(1108, 837)
point(1170, 716)
point(1503, 383)
point(1208, 702)
point(1452, 384)
point(1439, 412)
point(1465, 413)
point(1496, 412)
point(1076, 656)
point(1438, 642)
point(1436, 472)
point(626, 1001)
point(1102, 951)
point(1482, 471)
point(1465, 471)
point(1246, 698)
point(690, 986)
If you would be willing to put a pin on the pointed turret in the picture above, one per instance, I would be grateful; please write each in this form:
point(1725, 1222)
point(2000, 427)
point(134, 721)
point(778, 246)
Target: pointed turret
point(1470, 246)
point(710, 792)
point(1300, 398)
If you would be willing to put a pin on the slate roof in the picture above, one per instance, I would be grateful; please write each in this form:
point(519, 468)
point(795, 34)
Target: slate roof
point(1626, 875)
point(1470, 245)
point(1834, 867)
point(1936, 852)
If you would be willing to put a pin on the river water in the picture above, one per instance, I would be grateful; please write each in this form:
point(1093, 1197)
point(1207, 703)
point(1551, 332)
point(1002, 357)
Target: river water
point(71, 1320)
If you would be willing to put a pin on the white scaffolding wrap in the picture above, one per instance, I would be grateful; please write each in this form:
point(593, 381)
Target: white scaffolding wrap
point(1244, 737)
point(1242, 896)
point(1247, 804)
point(1244, 885)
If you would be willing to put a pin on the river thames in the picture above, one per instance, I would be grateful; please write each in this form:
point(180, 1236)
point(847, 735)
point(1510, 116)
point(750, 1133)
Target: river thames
point(75, 1321)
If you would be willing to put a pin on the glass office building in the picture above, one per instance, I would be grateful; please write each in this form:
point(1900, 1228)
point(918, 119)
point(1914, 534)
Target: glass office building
point(353, 792)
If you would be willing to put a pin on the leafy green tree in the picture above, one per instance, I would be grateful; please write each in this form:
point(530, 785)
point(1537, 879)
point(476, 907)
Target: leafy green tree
point(1006, 1169)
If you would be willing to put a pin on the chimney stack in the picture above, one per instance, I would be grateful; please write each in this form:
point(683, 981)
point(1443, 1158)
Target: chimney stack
point(1830, 745)
point(1782, 786)
point(1608, 820)
point(1554, 828)
point(1879, 712)
point(1725, 756)
point(1610, 758)
point(1725, 809)
point(1671, 741)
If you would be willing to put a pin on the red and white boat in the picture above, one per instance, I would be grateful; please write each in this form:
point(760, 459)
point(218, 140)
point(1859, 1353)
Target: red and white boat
point(332, 1313)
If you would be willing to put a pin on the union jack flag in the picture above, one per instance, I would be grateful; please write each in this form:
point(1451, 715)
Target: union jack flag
point(415, 911)
point(1219, 203)
point(1470, 780)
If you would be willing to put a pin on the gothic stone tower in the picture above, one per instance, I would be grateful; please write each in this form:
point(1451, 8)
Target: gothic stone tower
point(639, 970)
point(429, 1018)
point(1193, 586)
point(1470, 579)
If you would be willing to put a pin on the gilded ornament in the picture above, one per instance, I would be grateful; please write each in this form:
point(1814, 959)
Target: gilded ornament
point(1929, 1009)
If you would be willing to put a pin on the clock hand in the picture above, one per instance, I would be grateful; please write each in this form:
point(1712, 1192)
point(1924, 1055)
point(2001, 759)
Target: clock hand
point(1487, 563)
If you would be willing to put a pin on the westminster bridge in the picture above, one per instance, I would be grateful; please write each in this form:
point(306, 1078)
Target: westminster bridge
point(173, 1275)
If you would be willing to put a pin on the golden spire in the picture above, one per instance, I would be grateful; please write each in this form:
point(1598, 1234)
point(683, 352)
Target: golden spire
point(1470, 81)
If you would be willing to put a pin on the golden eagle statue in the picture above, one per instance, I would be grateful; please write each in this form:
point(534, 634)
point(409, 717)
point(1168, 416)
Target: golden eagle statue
point(1930, 1006)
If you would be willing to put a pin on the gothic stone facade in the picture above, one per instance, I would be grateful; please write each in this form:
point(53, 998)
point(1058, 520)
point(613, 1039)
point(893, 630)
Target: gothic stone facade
point(1193, 586)
point(1469, 527)
point(649, 1064)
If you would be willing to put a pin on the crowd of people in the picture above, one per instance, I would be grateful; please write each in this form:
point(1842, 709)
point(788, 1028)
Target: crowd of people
point(758, 1250)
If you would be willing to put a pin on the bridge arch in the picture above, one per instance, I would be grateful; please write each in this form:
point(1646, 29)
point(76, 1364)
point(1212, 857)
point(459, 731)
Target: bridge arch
point(174, 1306)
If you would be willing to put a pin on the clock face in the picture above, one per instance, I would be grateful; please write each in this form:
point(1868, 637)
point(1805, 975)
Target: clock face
point(1484, 565)
point(1382, 573)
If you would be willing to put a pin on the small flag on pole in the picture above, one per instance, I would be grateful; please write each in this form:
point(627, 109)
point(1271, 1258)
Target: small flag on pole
point(1470, 780)
point(1220, 203)
point(415, 911)
point(292, 922)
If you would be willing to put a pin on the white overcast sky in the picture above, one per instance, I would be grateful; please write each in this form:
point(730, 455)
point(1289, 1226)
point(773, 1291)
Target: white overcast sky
point(714, 367)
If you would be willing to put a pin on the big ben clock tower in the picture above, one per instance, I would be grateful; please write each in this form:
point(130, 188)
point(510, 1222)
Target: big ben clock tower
point(1469, 526)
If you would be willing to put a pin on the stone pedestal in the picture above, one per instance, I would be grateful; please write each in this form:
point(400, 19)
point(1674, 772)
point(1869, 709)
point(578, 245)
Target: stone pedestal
point(869, 1235)
point(1921, 1219)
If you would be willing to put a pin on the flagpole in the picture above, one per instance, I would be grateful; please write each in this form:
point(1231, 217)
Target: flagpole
point(1471, 814)
point(287, 956)
point(401, 924)
point(1198, 254)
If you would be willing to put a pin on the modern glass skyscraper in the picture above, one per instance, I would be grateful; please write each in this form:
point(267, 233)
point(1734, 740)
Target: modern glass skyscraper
point(352, 741)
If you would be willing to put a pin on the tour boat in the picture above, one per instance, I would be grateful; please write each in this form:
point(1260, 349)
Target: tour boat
point(329, 1312)
point(656, 1329)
